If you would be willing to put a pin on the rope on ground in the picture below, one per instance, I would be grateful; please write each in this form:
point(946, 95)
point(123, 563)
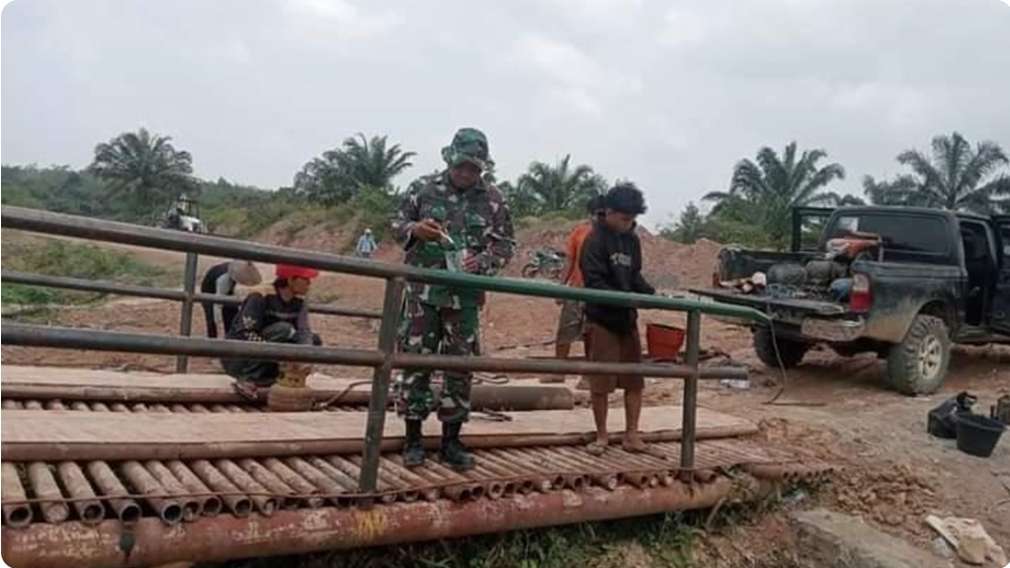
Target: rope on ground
point(782, 368)
point(339, 396)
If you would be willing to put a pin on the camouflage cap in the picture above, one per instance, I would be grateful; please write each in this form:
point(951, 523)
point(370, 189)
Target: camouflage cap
point(468, 145)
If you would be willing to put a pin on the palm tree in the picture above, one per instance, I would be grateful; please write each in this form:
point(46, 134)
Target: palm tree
point(341, 173)
point(689, 227)
point(521, 202)
point(144, 166)
point(372, 163)
point(956, 177)
point(561, 187)
point(765, 192)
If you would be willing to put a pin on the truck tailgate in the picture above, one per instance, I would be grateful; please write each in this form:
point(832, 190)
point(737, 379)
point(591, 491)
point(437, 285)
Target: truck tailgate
point(764, 303)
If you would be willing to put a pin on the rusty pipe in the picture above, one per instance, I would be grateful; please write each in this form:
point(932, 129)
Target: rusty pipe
point(523, 483)
point(126, 509)
point(573, 481)
point(89, 509)
point(298, 532)
point(300, 485)
point(462, 490)
point(191, 506)
point(323, 482)
point(169, 510)
point(266, 505)
point(345, 472)
point(344, 469)
point(540, 477)
point(239, 505)
point(482, 397)
point(210, 505)
point(273, 483)
point(44, 486)
point(411, 478)
point(604, 479)
point(512, 479)
point(388, 480)
point(19, 514)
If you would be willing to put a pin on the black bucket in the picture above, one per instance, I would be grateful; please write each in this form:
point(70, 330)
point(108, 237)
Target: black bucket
point(977, 435)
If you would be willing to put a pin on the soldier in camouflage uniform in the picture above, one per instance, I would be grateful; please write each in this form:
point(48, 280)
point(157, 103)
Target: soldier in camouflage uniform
point(450, 220)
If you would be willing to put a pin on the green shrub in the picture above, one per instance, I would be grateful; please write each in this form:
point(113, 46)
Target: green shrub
point(63, 258)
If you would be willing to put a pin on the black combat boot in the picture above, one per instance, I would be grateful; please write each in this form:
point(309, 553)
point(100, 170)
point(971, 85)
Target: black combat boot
point(454, 453)
point(413, 449)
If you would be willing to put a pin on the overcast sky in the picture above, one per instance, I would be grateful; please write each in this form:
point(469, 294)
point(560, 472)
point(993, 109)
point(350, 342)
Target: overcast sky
point(668, 94)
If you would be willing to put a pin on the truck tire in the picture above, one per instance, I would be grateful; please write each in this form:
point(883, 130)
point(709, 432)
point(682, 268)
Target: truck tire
point(919, 363)
point(790, 351)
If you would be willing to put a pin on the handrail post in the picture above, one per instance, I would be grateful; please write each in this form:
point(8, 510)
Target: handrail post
point(690, 410)
point(186, 316)
point(392, 307)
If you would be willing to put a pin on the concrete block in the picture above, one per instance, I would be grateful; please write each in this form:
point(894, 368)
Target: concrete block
point(835, 540)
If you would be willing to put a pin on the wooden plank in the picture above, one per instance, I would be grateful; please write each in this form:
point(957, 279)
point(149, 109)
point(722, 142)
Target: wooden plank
point(44, 383)
point(70, 435)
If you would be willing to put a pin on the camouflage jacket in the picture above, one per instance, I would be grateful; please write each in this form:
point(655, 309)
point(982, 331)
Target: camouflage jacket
point(477, 219)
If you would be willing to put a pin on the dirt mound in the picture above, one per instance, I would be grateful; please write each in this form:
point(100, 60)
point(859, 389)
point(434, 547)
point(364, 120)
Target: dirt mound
point(320, 234)
point(666, 264)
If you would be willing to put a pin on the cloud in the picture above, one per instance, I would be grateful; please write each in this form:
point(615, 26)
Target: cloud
point(338, 21)
point(669, 94)
point(575, 80)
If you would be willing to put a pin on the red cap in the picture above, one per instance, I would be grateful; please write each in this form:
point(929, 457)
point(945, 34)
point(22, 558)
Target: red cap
point(291, 271)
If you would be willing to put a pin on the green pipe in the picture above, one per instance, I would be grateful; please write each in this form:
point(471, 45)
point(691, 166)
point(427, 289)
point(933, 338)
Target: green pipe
point(102, 230)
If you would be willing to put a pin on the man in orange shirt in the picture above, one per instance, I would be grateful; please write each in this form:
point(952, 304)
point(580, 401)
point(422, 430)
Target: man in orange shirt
point(571, 322)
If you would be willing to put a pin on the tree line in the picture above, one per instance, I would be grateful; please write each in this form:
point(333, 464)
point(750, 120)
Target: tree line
point(137, 175)
point(756, 208)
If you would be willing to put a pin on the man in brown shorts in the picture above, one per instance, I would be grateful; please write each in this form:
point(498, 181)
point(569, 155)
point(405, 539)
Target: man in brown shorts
point(611, 259)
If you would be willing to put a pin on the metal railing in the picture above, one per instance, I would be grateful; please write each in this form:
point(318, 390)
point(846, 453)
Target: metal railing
point(383, 359)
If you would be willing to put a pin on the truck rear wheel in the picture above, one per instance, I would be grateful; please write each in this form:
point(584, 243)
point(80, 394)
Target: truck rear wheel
point(791, 352)
point(919, 363)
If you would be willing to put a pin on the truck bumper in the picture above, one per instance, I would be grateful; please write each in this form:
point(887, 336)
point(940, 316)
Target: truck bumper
point(833, 329)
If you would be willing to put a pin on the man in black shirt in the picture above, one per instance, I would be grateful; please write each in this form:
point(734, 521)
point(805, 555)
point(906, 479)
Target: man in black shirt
point(281, 317)
point(612, 260)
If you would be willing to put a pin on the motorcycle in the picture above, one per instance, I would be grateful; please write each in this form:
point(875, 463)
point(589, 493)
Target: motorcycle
point(545, 263)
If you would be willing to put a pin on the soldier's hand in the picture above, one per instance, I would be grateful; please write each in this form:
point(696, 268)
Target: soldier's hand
point(471, 264)
point(426, 230)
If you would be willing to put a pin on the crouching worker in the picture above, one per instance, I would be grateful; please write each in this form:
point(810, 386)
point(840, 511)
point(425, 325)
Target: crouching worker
point(611, 259)
point(281, 317)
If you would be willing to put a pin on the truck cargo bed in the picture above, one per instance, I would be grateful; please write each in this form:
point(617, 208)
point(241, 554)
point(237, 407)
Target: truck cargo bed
point(766, 303)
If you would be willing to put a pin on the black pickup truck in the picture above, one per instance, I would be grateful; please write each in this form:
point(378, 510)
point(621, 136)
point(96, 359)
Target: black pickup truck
point(928, 279)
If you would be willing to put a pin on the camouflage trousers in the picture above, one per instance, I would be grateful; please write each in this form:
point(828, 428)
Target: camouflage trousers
point(429, 329)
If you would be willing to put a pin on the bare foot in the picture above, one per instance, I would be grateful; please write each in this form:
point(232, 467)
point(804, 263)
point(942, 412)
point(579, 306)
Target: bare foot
point(634, 444)
point(597, 447)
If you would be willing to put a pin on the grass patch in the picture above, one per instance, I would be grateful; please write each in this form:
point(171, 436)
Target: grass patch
point(63, 258)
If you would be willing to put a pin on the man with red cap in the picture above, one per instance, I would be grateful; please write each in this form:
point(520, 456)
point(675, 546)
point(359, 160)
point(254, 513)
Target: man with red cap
point(281, 317)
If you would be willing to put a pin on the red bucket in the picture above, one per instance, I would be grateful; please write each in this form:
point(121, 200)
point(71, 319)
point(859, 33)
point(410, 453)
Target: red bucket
point(664, 341)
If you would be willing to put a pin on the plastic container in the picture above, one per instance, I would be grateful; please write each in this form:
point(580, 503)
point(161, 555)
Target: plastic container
point(977, 435)
point(664, 341)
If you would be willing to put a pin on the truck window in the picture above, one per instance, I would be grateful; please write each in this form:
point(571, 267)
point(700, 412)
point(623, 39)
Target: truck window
point(900, 233)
